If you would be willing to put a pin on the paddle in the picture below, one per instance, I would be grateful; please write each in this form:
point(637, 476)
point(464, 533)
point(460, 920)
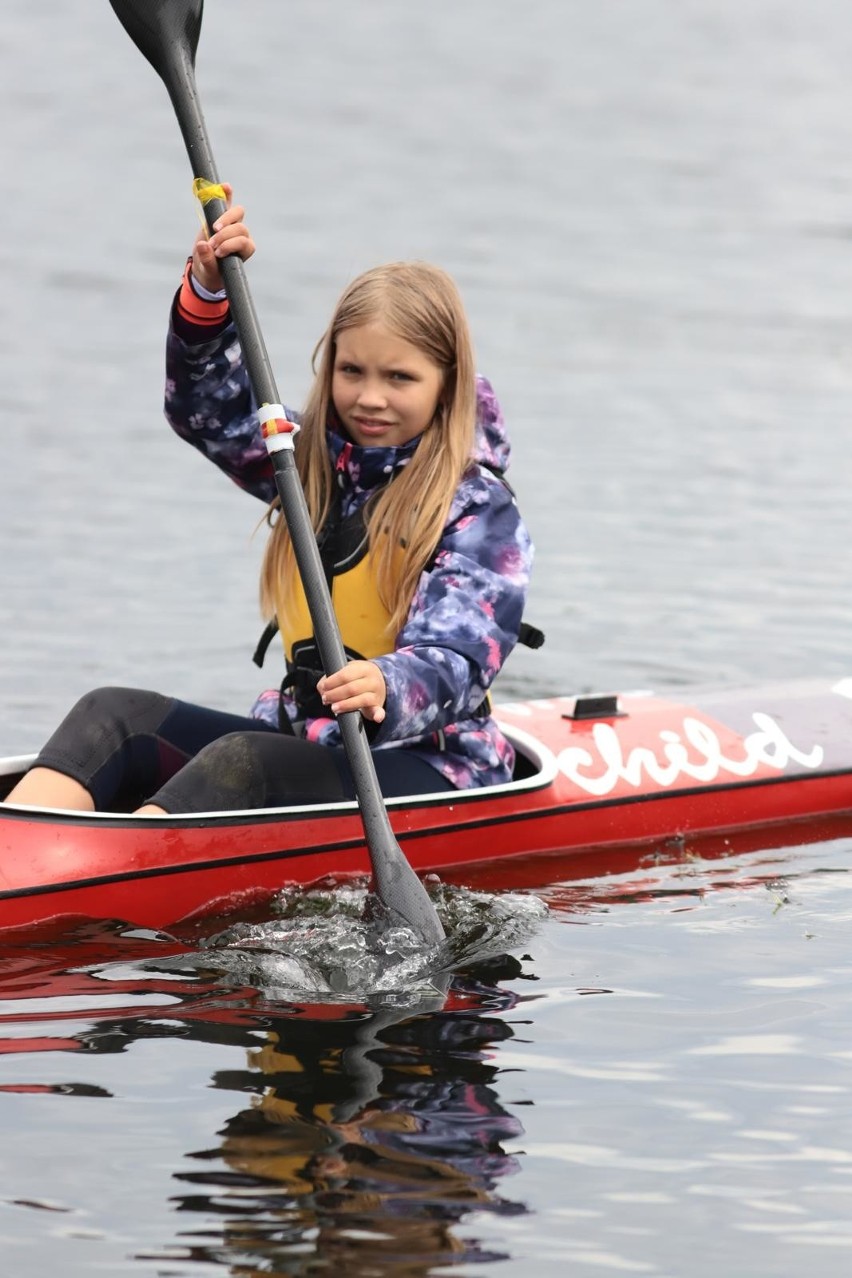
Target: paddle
point(167, 31)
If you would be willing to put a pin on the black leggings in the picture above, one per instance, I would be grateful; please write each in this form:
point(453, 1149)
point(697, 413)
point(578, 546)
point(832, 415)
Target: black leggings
point(127, 746)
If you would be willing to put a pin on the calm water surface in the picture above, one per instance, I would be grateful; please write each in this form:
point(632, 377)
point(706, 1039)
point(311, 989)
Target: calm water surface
point(649, 211)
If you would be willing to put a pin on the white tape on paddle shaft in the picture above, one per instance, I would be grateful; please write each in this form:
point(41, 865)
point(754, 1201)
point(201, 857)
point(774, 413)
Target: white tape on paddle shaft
point(275, 427)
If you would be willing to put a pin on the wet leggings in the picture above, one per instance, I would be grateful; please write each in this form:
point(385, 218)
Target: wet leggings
point(127, 747)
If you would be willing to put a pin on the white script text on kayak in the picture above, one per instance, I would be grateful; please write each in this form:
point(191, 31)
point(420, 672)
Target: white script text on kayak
point(695, 752)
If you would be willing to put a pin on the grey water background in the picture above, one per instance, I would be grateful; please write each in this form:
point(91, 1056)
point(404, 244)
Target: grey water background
point(648, 208)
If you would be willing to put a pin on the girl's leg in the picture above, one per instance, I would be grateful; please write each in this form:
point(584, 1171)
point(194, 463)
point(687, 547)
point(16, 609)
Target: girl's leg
point(249, 770)
point(120, 744)
point(400, 772)
point(120, 747)
point(44, 788)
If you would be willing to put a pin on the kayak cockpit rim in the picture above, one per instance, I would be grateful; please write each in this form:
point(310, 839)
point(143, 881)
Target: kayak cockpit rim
point(538, 769)
point(16, 765)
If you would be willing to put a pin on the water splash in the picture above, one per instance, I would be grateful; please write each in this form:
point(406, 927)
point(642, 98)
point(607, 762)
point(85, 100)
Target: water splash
point(334, 944)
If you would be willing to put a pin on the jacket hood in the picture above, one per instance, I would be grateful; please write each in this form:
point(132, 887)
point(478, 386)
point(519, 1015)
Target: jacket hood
point(492, 448)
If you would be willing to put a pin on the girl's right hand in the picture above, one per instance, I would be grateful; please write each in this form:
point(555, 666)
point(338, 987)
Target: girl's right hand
point(360, 685)
point(231, 235)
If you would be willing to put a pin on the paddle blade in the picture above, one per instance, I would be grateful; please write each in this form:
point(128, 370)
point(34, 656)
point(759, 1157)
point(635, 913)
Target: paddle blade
point(166, 31)
point(401, 892)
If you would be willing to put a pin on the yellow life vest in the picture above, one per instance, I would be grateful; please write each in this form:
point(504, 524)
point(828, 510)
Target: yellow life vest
point(364, 621)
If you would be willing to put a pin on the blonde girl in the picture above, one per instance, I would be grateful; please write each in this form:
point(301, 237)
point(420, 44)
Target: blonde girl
point(401, 451)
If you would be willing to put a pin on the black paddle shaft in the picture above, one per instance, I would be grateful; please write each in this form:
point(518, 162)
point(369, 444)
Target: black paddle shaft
point(167, 31)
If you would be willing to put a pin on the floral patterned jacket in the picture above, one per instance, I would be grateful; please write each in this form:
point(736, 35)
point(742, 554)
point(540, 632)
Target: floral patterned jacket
point(466, 613)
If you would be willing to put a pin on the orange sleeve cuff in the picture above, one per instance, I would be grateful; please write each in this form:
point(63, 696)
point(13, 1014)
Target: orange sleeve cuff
point(197, 310)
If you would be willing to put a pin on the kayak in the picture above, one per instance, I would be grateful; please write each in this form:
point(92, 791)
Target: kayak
point(595, 774)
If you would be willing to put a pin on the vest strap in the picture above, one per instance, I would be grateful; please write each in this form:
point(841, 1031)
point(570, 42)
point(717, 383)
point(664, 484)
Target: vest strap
point(269, 633)
point(530, 636)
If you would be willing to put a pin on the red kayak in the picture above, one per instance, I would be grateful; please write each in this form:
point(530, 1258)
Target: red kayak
point(595, 775)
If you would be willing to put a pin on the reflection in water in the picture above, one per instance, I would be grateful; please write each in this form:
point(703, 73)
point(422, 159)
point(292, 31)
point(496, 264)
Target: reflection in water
point(382, 1139)
point(362, 1137)
point(368, 1139)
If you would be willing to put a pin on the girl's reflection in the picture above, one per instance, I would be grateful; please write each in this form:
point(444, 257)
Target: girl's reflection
point(367, 1141)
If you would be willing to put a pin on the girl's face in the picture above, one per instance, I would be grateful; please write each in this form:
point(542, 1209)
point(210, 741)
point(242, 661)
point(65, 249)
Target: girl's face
point(384, 389)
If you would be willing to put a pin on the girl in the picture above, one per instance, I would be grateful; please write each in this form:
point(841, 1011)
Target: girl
point(400, 451)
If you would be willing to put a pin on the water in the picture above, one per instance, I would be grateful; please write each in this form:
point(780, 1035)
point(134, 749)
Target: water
point(648, 212)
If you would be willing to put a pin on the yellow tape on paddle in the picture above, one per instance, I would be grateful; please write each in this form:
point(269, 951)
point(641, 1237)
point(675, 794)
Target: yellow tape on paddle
point(204, 192)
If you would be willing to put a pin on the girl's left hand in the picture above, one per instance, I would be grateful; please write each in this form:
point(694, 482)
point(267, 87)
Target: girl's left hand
point(232, 236)
point(358, 686)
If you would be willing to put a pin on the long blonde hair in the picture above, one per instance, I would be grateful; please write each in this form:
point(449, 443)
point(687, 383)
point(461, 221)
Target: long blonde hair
point(420, 304)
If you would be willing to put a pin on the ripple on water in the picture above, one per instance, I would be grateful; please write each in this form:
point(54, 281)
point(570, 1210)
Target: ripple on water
point(335, 944)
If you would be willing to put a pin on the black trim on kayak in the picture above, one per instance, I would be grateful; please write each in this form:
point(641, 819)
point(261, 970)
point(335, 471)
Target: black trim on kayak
point(194, 867)
point(183, 867)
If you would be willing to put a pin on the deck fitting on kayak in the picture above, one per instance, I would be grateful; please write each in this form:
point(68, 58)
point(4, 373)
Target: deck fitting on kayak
point(598, 705)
